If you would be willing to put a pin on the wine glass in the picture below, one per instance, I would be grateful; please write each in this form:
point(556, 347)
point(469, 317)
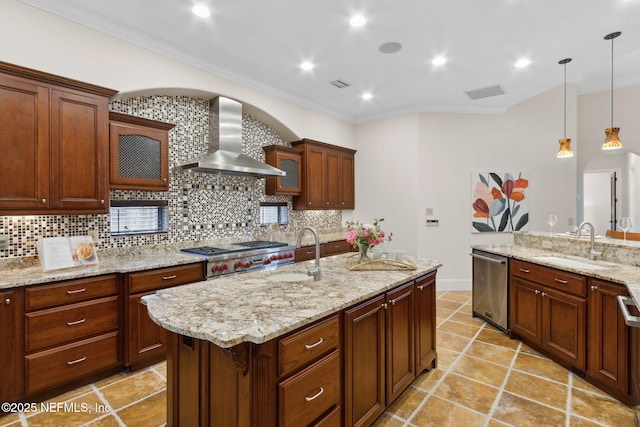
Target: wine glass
point(552, 220)
point(625, 225)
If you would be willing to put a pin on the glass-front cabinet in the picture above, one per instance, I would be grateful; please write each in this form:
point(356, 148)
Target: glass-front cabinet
point(288, 159)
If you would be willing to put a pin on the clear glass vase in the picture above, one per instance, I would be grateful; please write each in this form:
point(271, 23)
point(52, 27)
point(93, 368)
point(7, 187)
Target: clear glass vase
point(364, 254)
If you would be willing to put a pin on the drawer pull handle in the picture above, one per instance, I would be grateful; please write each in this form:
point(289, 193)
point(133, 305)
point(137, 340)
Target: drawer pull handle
point(77, 322)
point(525, 271)
point(173, 276)
point(310, 346)
point(76, 291)
point(564, 282)
point(309, 399)
point(310, 252)
point(73, 362)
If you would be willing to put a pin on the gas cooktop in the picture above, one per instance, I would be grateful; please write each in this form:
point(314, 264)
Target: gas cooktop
point(233, 247)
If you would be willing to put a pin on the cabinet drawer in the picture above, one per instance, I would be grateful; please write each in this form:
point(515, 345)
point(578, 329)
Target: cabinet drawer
point(332, 419)
point(334, 248)
point(61, 364)
point(305, 253)
point(55, 326)
point(310, 393)
point(302, 347)
point(68, 292)
point(165, 277)
point(551, 277)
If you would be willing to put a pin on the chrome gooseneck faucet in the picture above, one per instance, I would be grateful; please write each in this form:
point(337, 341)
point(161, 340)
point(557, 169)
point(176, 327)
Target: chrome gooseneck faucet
point(593, 254)
point(316, 272)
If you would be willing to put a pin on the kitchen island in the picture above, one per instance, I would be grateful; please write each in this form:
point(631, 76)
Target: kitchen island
point(267, 348)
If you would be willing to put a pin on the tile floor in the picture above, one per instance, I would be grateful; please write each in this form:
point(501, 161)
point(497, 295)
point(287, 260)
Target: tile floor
point(483, 379)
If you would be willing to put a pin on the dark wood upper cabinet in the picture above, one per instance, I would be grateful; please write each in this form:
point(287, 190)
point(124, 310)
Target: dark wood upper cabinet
point(53, 144)
point(139, 153)
point(288, 159)
point(328, 176)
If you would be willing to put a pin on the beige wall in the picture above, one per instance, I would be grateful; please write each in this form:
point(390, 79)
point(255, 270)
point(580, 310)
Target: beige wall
point(444, 148)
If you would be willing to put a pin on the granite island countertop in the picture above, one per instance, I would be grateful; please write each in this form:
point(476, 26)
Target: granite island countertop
point(627, 275)
point(257, 307)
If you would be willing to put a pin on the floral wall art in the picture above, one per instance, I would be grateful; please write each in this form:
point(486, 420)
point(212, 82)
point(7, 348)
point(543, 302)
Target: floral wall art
point(499, 202)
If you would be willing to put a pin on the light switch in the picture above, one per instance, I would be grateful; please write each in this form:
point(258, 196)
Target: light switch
point(429, 212)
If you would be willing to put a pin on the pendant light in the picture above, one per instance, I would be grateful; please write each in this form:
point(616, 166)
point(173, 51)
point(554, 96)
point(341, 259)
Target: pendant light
point(612, 142)
point(565, 143)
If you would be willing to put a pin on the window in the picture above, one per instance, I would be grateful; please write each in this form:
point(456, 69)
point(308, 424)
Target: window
point(139, 217)
point(273, 213)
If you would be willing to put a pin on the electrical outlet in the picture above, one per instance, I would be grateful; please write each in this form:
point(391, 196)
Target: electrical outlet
point(432, 223)
point(4, 242)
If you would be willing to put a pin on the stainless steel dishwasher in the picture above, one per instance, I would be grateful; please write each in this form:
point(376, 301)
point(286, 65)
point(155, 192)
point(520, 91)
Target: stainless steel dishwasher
point(490, 296)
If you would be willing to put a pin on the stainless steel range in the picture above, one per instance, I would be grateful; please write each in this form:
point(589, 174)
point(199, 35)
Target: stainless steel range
point(243, 257)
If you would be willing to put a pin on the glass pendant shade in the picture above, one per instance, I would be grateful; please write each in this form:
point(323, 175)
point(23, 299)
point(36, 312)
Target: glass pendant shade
point(611, 142)
point(565, 148)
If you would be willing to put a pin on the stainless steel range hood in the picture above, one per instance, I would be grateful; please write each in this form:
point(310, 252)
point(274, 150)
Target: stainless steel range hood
point(224, 155)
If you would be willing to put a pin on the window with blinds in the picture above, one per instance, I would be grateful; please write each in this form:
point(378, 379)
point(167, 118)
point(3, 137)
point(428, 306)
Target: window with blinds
point(273, 213)
point(130, 217)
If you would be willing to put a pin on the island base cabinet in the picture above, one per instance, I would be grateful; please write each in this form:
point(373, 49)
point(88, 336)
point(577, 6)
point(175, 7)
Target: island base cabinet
point(425, 323)
point(364, 362)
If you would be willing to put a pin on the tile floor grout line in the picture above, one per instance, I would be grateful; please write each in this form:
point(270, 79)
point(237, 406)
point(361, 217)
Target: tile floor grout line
point(567, 422)
point(140, 400)
point(106, 402)
point(501, 390)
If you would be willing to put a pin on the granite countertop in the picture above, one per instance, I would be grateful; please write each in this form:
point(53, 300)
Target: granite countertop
point(257, 307)
point(33, 274)
point(23, 272)
point(627, 275)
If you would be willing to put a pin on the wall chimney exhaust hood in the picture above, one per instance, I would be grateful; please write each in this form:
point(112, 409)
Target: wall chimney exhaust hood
point(224, 154)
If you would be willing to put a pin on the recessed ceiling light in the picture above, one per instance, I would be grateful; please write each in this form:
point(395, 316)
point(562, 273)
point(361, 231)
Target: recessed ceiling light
point(357, 21)
point(307, 65)
point(367, 96)
point(439, 60)
point(522, 63)
point(201, 10)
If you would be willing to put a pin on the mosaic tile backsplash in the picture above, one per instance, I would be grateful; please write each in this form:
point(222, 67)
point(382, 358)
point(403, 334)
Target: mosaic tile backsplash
point(201, 206)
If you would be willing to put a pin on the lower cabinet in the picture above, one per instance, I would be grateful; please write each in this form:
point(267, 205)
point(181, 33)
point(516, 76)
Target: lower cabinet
point(609, 361)
point(306, 253)
point(11, 336)
point(425, 322)
point(71, 333)
point(576, 321)
point(548, 311)
point(146, 342)
point(388, 341)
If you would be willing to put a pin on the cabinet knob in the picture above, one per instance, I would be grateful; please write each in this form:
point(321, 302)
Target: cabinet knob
point(594, 288)
point(393, 302)
point(164, 179)
point(384, 306)
point(102, 201)
point(7, 301)
point(327, 202)
point(44, 201)
point(544, 294)
point(537, 292)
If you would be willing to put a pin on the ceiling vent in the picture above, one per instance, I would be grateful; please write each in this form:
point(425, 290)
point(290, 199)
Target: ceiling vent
point(340, 84)
point(485, 92)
